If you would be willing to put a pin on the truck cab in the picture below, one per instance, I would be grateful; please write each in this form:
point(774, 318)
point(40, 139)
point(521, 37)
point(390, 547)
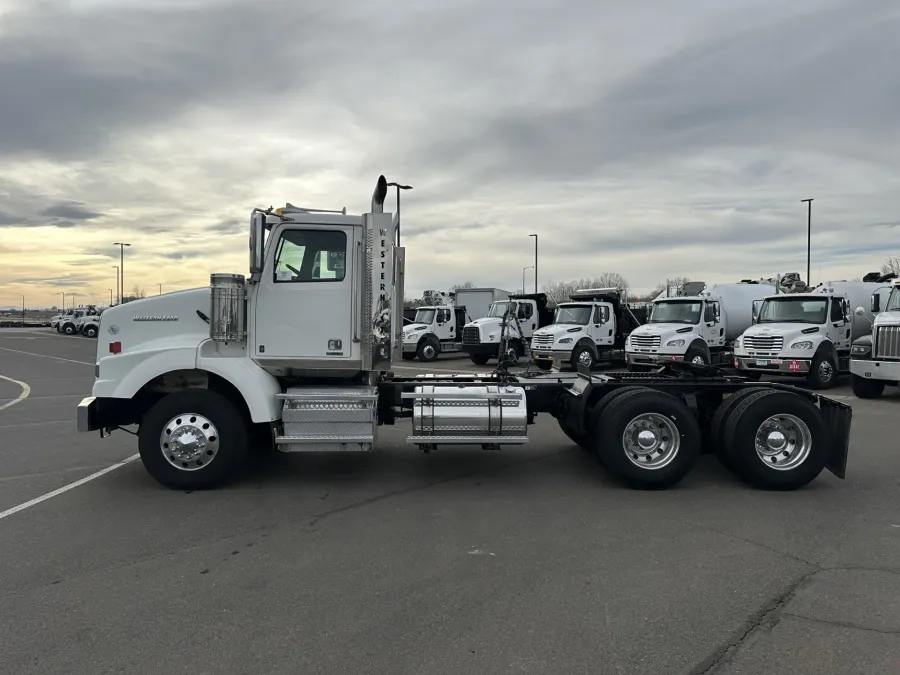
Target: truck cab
point(482, 337)
point(804, 334)
point(70, 322)
point(875, 358)
point(592, 327)
point(435, 330)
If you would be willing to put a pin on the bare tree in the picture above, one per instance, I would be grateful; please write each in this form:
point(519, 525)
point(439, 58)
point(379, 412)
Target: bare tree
point(891, 265)
point(559, 291)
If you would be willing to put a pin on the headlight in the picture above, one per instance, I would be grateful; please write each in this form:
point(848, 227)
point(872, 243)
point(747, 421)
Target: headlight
point(860, 349)
point(565, 341)
point(806, 344)
point(737, 343)
point(675, 343)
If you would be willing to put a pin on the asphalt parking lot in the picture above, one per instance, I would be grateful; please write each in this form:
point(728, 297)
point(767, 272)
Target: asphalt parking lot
point(528, 560)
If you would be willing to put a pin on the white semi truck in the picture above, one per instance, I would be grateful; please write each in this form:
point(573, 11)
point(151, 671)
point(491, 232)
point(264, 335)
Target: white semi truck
point(699, 328)
point(209, 374)
point(592, 327)
point(806, 334)
point(875, 358)
point(507, 328)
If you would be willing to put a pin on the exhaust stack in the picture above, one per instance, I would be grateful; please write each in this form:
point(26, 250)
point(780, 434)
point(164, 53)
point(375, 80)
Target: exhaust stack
point(379, 195)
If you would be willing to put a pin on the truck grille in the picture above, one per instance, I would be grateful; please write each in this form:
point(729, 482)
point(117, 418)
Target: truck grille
point(887, 342)
point(470, 335)
point(645, 341)
point(764, 343)
point(542, 340)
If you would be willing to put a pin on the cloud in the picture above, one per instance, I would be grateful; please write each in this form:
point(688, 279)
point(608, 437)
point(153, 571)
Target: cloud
point(648, 138)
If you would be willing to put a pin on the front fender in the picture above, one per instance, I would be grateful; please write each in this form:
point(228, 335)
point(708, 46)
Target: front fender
point(122, 375)
point(257, 386)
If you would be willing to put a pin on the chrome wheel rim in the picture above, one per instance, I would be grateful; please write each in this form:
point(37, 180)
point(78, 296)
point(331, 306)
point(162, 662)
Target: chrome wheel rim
point(428, 351)
point(189, 442)
point(651, 441)
point(698, 361)
point(585, 358)
point(826, 372)
point(783, 442)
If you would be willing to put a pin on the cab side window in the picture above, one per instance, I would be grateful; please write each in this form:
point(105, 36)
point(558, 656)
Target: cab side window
point(601, 315)
point(837, 310)
point(710, 312)
point(525, 310)
point(310, 256)
point(443, 315)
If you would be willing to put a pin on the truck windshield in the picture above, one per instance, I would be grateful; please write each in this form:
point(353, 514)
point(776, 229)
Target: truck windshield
point(676, 312)
point(794, 310)
point(425, 316)
point(500, 309)
point(580, 315)
point(893, 303)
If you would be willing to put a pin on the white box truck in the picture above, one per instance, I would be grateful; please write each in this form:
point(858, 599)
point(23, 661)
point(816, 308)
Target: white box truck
point(806, 334)
point(700, 329)
point(478, 301)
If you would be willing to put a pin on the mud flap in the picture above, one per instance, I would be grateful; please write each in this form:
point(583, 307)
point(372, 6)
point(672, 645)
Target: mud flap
point(837, 418)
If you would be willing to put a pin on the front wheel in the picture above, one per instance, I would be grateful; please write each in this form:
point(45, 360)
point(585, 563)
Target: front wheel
point(69, 329)
point(583, 356)
point(193, 440)
point(822, 372)
point(91, 331)
point(696, 357)
point(776, 440)
point(479, 359)
point(865, 388)
point(428, 350)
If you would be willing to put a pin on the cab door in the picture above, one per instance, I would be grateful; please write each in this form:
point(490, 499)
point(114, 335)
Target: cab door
point(712, 326)
point(304, 300)
point(444, 325)
point(839, 328)
point(603, 325)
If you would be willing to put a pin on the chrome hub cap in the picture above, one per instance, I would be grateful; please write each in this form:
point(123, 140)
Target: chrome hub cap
point(428, 351)
point(651, 441)
point(189, 442)
point(826, 372)
point(698, 360)
point(783, 442)
point(585, 358)
point(512, 354)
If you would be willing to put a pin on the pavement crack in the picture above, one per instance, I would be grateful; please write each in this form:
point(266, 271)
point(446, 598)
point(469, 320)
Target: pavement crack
point(841, 624)
point(701, 526)
point(765, 617)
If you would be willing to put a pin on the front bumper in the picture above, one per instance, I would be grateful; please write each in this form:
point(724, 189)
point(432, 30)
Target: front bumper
point(488, 348)
point(785, 366)
point(410, 347)
point(876, 370)
point(88, 414)
point(645, 359)
point(551, 355)
point(105, 414)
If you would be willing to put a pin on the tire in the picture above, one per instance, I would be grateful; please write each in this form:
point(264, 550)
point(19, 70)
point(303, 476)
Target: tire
point(69, 329)
point(543, 365)
point(747, 420)
point(695, 355)
point(578, 439)
point(583, 355)
point(822, 372)
point(514, 352)
point(715, 439)
point(228, 439)
point(408, 357)
point(621, 417)
point(479, 359)
point(865, 388)
point(428, 350)
point(90, 331)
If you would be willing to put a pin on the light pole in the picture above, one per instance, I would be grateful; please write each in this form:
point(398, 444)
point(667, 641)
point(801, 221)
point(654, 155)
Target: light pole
point(121, 246)
point(110, 297)
point(118, 295)
point(160, 289)
point(535, 261)
point(808, 237)
point(64, 301)
point(523, 276)
point(399, 187)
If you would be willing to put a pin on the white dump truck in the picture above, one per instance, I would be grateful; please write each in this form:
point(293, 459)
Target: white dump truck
point(508, 327)
point(209, 374)
point(699, 328)
point(435, 330)
point(875, 358)
point(806, 334)
point(70, 322)
point(593, 327)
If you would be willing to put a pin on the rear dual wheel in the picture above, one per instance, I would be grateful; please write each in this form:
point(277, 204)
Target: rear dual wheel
point(774, 440)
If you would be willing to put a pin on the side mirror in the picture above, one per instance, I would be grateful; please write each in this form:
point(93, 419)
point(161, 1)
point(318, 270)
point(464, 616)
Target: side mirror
point(876, 303)
point(257, 234)
point(860, 311)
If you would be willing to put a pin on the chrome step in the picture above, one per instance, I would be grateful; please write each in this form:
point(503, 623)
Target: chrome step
point(467, 440)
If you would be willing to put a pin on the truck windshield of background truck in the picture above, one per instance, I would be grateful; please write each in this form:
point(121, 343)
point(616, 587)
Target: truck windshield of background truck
point(673, 311)
point(794, 310)
point(425, 316)
point(580, 315)
point(499, 309)
point(893, 303)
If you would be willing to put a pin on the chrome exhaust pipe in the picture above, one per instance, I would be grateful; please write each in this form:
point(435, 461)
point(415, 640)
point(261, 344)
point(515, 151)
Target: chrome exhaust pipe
point(379, 195)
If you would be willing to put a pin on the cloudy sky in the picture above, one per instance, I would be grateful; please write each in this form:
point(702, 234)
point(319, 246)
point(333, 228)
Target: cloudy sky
point(652, 138)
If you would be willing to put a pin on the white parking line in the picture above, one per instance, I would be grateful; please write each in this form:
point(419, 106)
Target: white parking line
point(65, 488)
point(26, 390)
point(46, 356)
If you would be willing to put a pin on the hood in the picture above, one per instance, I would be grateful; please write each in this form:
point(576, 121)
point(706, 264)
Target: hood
point(486, 321)
point(887, 319)
point(789, 331)
point(410, 327)
point(558, 330)
point(666, 331)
